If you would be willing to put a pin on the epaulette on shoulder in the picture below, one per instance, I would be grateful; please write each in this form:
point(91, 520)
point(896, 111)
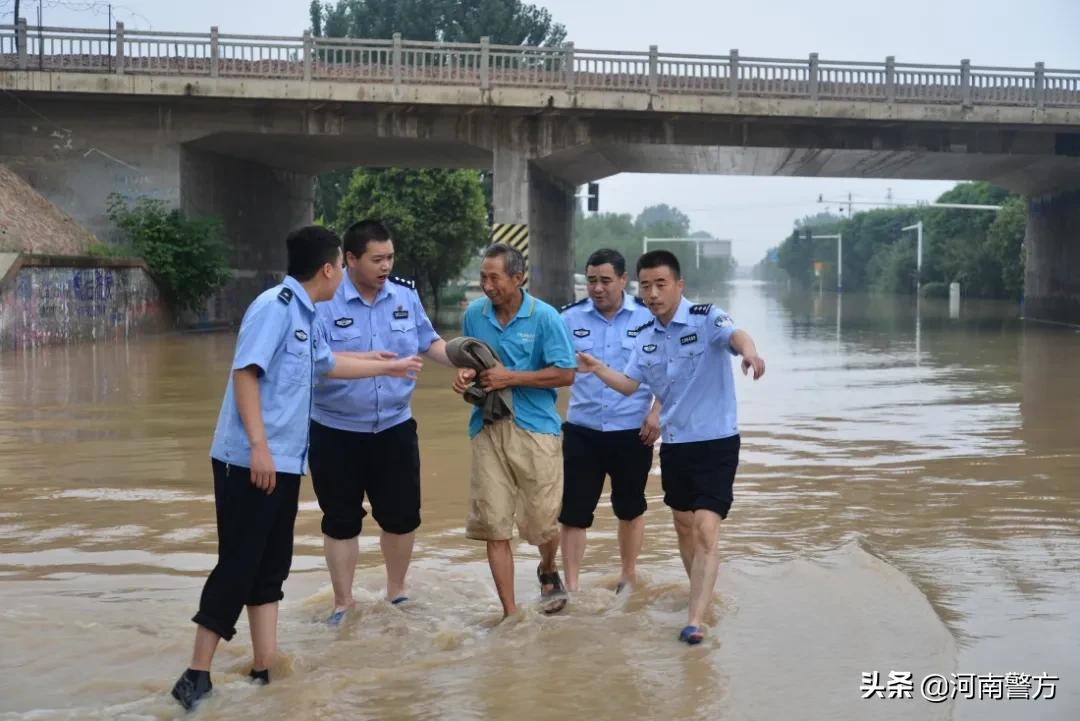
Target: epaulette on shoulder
point(640, 301)
point(700, 309)
point(643, 326)
point(568, 306)
point(285, 296)
point(407, 282)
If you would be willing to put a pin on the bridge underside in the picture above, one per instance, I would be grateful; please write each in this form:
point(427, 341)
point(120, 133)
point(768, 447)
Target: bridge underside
point(252, 163)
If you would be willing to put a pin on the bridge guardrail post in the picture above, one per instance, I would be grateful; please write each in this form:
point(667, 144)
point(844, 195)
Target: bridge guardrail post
point(814, 76)
point(309, 47)
point(119, 48)
point(568, 67)
point(20, 44)
point(485, 62)
point(654, 69)
point(890, 79)
point(395, 58)
point(1040, 85)
point(965, 83)
point(733, 74)
point(215, 52)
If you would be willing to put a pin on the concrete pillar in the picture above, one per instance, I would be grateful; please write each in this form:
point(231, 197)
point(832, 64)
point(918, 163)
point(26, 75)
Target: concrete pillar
point(524, 193)
point(1052, 269)
point(258, 206)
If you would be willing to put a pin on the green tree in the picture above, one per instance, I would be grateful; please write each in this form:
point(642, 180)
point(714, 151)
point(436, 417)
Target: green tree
point(505, 22)
point(605, 230)
point(330, 188)
point(663, 221)
point(437, 218)
point(187, 257)
point(981, 250)
point(1006, 239)
point(955, 243)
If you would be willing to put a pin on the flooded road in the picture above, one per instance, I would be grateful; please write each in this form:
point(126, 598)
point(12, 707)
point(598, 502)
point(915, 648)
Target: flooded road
point(908, 500)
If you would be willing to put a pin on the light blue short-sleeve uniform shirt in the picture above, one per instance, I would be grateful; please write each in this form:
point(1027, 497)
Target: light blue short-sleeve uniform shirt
point(394, 322)
point(534, 339)
point(687, 364)
point(278, 336)
point(592, 404)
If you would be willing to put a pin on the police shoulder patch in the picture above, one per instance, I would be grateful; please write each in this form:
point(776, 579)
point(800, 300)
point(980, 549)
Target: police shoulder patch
point(300, 335)
point(285, 296)
point(723, 321)
point(407, 282)
point(571, 305)
point(581, 332)
point(343, 322)
point(700, 309)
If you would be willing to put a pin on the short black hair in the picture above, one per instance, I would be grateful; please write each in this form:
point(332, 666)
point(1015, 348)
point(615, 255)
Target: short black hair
point(310, 248)
point(362, 232)
point(658, 258)
point(607, 255)
point(513, 260)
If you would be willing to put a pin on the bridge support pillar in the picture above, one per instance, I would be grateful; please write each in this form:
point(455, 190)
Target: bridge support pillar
point(525, 193)
point(258, 206)
point(1052, 268)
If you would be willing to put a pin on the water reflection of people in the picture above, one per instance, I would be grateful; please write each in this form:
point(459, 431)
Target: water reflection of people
point(684, 356)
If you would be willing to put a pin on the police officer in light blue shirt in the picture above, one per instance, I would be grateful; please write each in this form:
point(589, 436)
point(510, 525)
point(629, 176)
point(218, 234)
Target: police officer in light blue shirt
point(259, 449)
point(606, 433)
point(363, 436)
point(684, 354)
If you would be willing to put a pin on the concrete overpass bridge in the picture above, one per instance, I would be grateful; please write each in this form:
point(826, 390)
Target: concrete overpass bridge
point(237, 126)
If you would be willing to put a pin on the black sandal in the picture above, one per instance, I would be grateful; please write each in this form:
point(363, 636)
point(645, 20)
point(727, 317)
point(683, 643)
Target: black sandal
point(554, 600)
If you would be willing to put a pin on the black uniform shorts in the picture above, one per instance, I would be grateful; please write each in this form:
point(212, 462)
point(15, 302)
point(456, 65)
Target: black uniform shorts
point(588, 456)
point(700, 474)
point(385, 465)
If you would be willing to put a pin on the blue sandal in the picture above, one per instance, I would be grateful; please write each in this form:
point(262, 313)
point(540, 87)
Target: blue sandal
point(692, 635)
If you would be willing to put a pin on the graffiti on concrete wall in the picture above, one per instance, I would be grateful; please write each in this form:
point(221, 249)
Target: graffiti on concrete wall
point(47, 306)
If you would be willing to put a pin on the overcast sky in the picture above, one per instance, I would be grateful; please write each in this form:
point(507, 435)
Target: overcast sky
point(755, 212)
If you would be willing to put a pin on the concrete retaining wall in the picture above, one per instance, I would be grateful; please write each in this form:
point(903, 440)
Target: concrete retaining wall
point(47, 300)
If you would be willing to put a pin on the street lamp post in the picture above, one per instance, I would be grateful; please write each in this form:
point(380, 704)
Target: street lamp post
point(918, 253)
point(839, 238)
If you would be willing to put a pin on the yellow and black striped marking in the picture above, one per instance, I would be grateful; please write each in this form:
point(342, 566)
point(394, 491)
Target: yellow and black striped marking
point(516, 235)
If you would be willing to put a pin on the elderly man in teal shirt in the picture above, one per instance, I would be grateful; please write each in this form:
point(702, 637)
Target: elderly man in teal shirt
point(517, 472)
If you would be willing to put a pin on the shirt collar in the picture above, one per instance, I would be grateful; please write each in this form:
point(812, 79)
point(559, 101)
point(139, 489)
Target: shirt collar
point(682, 315)
point(298, 290)
point(627, 305)
point(528, 305)
point(350, 293)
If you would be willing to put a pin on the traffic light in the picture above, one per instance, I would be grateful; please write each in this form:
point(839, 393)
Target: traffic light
point(594, 197)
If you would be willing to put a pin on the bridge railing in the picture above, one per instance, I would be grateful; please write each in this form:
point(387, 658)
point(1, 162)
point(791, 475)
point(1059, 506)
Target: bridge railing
point(484, 65)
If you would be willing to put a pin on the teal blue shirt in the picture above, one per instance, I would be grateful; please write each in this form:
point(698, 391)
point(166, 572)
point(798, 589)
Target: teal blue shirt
point(536, 338)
